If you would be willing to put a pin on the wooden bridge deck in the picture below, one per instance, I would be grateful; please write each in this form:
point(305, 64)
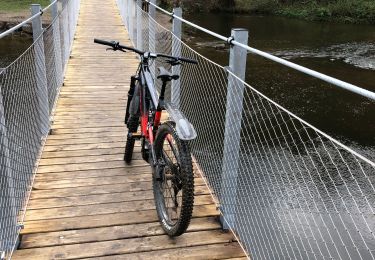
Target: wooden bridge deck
point(86, 202)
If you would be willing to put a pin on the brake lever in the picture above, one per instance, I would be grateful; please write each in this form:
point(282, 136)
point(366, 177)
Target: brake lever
point(174, 62)
point(114, 49)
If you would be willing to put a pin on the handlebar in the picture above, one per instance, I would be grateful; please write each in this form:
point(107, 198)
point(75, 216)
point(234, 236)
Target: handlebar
point(116, 46)
point(187, 60)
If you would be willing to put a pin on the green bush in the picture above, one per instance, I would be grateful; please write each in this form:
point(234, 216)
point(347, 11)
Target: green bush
point(343, 10)
point(258, 6)
point(20, 5)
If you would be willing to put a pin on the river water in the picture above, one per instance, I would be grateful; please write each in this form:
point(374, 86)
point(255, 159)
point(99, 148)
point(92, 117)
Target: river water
point(12, 47)
point(344, 51)
point(292, 204)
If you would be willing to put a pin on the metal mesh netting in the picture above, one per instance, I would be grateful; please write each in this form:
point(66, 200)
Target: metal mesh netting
point(29, 91)
point(286, 189)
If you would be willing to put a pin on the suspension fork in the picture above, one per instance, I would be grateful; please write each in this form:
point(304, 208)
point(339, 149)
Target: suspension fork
point(156, 164)
point(130, 96)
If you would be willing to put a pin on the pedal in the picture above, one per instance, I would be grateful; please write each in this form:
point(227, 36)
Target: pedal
point(136, 135)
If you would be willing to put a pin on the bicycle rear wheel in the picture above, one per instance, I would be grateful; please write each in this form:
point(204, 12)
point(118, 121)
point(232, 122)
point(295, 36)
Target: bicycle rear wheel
point(174, 190)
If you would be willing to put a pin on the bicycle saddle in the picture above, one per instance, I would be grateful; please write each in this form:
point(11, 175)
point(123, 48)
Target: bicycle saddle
point(165, 75)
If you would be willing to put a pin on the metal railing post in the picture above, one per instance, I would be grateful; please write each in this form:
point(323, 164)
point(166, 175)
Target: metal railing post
point(131, 17)
point(232, 138)
point(40, 71)
point(128, 7)
point(121, 4)
point(69, 23)
point(65, 27)
point(151, 33)
point(57, 43)
point(139, 25)
point(176, 51)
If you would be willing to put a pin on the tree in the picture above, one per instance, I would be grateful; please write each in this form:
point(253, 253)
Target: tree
point(176, 3)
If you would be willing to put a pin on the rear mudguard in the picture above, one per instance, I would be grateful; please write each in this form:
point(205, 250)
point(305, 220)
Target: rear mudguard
point(185, 130)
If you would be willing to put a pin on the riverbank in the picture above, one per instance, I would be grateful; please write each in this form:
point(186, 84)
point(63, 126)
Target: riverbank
point(347, 11)
point(13, 12)
point(13, 6)
point(350, 11)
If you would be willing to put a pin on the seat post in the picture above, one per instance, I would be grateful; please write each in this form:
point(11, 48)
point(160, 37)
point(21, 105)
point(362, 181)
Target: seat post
point(162, 93)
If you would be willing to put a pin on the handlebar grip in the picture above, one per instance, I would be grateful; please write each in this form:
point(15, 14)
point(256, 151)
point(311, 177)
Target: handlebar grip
point(111, 44)
point(188, 60)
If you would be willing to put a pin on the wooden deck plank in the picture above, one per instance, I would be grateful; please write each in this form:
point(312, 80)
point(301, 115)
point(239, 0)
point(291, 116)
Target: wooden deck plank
point(80, 153)
point(103, 208)
point(125, 246)
point(92, 190)
point(99, 199)
point(206, 252)
point(93, 140)
point(108, 233)
point(106, 220)
point(87, 166)
point(84, 129)
point(95, 173)
point(86, 202)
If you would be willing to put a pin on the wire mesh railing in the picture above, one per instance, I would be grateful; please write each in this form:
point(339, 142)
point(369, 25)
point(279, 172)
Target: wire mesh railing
point(286, 189)
point(29, 90)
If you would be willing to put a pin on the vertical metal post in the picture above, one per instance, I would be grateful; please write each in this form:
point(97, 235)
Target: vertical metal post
point(57, 44)
point(131, 19)
point(176, 51)
point(235, 92)
point(40, 71)
point(69, 15)
point(151, 34)
point(65, 26)
point(71, 23)
point(122, 10)
point(139, 25)
point(128, 2)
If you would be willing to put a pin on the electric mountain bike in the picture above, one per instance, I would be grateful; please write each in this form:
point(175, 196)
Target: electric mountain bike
point(163, 145)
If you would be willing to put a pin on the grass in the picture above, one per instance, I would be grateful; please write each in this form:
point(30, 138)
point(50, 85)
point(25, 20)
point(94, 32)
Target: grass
point(351, 11)
point(13, 6)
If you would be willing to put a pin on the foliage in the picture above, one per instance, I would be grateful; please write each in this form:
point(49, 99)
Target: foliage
point(256, 6)
point(20, 5)
point(343, 10)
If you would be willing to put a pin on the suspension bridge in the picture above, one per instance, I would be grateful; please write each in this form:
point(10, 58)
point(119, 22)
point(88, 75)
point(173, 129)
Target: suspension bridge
point(279, 187)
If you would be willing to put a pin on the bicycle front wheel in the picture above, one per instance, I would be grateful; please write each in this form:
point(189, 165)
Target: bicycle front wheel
point(174, 190)
point(130, 141)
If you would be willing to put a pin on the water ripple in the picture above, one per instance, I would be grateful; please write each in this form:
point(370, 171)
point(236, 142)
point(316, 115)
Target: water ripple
point(358, 54)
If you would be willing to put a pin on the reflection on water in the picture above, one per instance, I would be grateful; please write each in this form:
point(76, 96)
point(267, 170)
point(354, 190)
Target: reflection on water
point(343, 51)
point(299, 195)
point(359, 54)
point(11, 47)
